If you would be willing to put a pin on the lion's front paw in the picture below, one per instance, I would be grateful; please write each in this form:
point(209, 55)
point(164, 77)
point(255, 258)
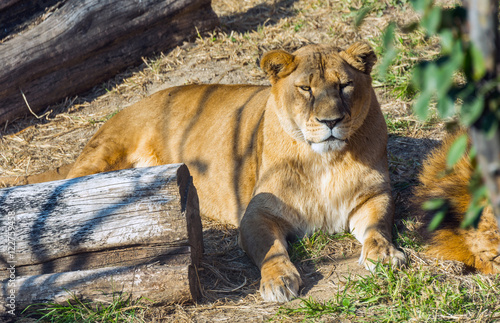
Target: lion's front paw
point(380, 250)
point(280, 280)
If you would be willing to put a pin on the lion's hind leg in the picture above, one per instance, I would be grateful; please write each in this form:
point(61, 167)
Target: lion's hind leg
point(108, 155)
point(98, 157)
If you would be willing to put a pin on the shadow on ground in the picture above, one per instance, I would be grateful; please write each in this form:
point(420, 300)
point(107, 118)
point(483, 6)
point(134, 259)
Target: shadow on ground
point(406, 156)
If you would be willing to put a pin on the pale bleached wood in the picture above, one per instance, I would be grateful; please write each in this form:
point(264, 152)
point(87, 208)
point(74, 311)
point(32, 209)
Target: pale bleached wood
point(88, 41)
point(80, 234)
point(158, 283)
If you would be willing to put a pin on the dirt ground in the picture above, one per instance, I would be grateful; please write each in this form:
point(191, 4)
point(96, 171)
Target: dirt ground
point(230, 54)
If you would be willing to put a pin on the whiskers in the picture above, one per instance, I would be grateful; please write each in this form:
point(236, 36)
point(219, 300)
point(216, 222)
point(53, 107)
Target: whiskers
point(299, 134)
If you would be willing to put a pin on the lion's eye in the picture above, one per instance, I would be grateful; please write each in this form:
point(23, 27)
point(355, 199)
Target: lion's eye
point(305, 88)
point(344, 85)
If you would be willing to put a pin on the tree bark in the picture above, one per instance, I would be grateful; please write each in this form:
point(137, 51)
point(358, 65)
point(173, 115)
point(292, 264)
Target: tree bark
point(88, 41)
point(135, 231)
point(483, 24)
point(7, 3)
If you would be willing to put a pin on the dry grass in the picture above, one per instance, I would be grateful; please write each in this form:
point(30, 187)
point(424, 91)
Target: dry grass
point(230, 54)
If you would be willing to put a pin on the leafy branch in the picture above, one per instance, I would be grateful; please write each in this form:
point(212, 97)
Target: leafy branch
point(457, 83)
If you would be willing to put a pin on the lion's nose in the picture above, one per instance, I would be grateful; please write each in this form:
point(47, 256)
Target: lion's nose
point(330, 123)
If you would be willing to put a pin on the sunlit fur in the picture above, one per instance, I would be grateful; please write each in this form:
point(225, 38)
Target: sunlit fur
point(307, 153)
point(477, 248)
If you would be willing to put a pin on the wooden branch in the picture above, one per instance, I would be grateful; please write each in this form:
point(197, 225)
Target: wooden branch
point(88, 41)
point(136, 231)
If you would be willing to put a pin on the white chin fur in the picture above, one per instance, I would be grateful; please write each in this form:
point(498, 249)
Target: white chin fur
point(324, 147)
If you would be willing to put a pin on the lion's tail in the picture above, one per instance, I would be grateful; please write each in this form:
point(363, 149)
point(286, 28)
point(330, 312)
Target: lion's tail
point(51, 175)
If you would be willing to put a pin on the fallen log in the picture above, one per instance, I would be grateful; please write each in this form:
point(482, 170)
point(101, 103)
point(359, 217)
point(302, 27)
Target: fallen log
point(135, 231)
point(18, 15)
point(88, 41)
point(7, 3)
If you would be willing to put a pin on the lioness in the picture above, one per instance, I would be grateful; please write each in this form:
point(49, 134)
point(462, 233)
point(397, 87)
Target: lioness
point(279, 161)
point(478, 248)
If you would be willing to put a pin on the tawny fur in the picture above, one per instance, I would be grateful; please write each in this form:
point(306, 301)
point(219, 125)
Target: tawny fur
point(307, 153)
point(476, 248)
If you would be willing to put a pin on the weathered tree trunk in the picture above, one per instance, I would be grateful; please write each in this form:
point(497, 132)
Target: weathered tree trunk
point(7, 3)
point(88, 41)
point(135, 231)
point(16, 15)
point(483, 24)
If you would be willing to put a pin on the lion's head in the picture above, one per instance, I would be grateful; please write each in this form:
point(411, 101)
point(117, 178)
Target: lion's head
point(322, 94)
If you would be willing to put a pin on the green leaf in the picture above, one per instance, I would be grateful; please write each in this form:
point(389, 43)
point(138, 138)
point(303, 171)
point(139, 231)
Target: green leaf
point(447, 41)
point(472, 153)
point(386, 62)
point(478, 65)
point(434, 204)
point(360, 17)
point(440, 207)
point(456, 151)
point(475, 210)
point(421, 106)
point(418, 75)
point(447, 66)
point(436, 220)
point(471, 110)
point(421, 6)
point(445, 106)
point(472, 216)
point(432, 20)
point(391, 51)
point(388, 37)
point(430, 81)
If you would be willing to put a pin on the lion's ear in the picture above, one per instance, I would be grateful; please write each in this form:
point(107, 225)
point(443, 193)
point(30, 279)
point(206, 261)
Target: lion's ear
point(360, 56)
point(277, 64)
